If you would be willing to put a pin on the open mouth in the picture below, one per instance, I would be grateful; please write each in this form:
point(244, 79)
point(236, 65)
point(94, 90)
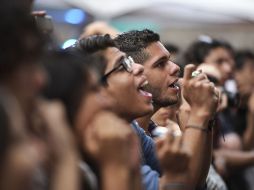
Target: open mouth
point(174, 85)
point(142, 91)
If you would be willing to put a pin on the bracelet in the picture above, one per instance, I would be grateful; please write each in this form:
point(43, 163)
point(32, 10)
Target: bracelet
point(197, 127)
point(174, 186)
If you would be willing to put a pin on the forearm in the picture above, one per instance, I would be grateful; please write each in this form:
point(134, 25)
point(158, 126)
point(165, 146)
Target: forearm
point(206, 160)
point(237, 159)
point(66, 173)
point(115, 177)
point(176, 182)
point(248, 137)
point(198, 143)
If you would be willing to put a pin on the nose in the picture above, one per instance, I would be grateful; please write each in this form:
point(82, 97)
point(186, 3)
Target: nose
point(174, 69)
point(138, 69)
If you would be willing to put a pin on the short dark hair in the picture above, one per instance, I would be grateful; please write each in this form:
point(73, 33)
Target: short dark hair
point(242, 57)
point(199, 50)
point(21, 39)
point(134, 42)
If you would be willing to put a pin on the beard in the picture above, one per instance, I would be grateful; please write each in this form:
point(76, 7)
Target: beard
point(158, 99)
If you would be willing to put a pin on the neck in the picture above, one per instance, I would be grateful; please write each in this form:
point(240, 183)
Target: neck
point(144, 121)
point(126, 118)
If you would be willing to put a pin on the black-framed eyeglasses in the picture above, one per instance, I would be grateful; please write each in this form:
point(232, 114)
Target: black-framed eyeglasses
point(126, 63)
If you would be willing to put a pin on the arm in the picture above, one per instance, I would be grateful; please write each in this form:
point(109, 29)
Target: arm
point(202, 98)
point(62, 148)
point(236, 159)
point(199, 143)
point(248, 136)
point(114, 146)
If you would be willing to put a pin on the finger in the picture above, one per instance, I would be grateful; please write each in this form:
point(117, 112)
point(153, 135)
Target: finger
point(201, 76)
point(188, 69)
point(180, 82)
point(159, 143)
point(170, 137)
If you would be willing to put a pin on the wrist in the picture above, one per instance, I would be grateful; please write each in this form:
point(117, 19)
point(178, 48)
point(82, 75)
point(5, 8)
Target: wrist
point(199, 119)
point(168, 178)
point(115, 168)
point(121, 179)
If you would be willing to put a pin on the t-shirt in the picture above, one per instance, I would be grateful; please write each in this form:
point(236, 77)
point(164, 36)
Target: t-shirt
point(150, 169)
point(148, 148)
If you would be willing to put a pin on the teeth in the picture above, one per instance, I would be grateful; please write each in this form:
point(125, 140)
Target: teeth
point(144, 84)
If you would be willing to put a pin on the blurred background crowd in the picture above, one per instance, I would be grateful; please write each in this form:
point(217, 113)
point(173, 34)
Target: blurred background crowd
point(126, 95)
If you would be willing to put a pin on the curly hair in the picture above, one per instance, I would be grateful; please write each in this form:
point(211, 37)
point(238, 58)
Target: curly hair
point(134, 43)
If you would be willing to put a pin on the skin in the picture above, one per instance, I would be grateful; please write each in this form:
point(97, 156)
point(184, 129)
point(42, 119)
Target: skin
point(221, 58)
point(161, 73)
point(107, 137)
point(25, 83)
point(124, 86)
point(159, 64)
point(244, 79)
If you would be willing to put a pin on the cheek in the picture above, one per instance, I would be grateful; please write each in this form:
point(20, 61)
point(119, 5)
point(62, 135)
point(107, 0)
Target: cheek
point(121, 87)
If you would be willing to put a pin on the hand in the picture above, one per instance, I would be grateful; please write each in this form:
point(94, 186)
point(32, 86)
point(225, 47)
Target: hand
point(110, 140)
point(183, 113)
point(199, 92)
point(59, 138)
point(170, 153)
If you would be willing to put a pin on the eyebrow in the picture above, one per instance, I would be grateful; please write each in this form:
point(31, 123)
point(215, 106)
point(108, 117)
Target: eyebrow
point(118, 61)
point(163, 58)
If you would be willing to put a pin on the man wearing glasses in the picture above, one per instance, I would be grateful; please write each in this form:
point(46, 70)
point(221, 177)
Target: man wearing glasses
point(124, 83)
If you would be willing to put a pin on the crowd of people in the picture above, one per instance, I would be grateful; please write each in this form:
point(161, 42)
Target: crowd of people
point(115, 112)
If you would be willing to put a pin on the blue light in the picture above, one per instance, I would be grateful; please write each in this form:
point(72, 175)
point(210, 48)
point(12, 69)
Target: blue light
point(68, 43)
point(74, 16)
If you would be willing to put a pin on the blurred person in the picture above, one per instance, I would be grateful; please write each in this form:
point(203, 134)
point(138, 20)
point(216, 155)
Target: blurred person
point(102, 136)
point(162, 74)
point(245, 83)
point(227, 118)
point(27, 151)
point(212, 51)
point(219, 54)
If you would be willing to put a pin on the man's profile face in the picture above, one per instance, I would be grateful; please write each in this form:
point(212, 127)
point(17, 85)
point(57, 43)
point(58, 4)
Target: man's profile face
point(126, 88)
point(162, 74)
